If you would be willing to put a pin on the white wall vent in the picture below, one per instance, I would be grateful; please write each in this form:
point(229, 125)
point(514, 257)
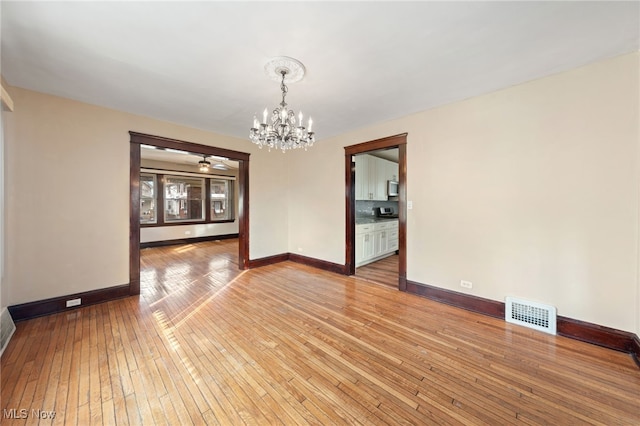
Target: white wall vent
point(7, 328)
point(531, 314)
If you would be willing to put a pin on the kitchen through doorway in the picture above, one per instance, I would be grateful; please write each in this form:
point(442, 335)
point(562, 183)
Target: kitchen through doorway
point(376, 216)
point(376, 210)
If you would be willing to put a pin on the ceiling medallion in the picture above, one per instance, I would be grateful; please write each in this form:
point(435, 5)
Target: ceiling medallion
point(284, 131)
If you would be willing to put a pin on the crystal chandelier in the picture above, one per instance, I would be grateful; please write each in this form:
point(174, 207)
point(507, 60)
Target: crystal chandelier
point(284, 131)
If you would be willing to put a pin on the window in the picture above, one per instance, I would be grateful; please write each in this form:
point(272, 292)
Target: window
point(183, 199)
point(147, 198)
point(221, 197)
point(174, 198)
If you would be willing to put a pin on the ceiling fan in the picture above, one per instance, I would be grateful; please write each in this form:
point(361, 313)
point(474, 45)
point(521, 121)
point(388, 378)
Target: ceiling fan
point(204, 165)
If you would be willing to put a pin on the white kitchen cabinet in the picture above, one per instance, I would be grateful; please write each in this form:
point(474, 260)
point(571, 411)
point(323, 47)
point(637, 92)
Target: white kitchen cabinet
point(372, 174)
point(366, 178)
point(377, 181)
point(364, 248)
point(380, 242)
point(365, 244)
point(391, 171)
point(375, 241)
point(392, 241)
point(380, 237)
point(362, 177)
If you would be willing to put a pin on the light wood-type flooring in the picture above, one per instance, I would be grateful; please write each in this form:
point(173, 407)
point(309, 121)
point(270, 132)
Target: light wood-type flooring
point(289, 344)
point(383, 271)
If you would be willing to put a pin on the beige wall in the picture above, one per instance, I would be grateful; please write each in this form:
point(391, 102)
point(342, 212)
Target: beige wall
point(5, 108)
point(63, 159)
point(530, 191)
point(3, 286)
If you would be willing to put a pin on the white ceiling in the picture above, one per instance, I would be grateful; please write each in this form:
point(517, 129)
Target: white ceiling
point(183, 157)
point(200, 64)
point(388, 154)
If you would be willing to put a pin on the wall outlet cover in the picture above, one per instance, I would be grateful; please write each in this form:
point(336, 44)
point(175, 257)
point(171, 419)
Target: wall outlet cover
point(74, 302)
point(466, 284)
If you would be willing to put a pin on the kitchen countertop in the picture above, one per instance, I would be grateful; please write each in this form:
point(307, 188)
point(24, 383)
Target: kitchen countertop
point(372, 219)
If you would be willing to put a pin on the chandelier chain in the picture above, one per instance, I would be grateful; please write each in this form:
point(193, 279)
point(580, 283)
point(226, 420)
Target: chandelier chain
point(284, 88)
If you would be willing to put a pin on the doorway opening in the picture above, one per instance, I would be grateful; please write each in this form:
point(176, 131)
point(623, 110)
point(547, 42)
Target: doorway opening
point(377, 204)
point(213, 190)
point(376, 212)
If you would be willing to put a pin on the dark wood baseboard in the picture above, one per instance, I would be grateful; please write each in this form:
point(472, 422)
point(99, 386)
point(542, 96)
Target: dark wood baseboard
point(610, 338)
point(187, 240)
point(40, 308)
point(635, 349)
point(309, 261)
point(465, 301)
point(402, 283)
point(597, 334)
point(317, 263)
point(269, 260)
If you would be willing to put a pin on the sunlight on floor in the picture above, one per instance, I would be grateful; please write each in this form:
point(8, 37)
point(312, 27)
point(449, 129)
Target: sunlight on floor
point(184, 248)
point(167, 331)
point(208, 299)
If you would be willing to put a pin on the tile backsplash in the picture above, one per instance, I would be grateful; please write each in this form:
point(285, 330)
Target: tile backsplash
point(367, 208)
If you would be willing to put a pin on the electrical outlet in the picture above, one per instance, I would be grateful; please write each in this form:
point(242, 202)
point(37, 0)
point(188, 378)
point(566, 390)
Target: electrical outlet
point(466, 284)
point(74, 302)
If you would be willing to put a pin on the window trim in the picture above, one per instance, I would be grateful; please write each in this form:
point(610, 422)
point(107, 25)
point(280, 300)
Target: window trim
point(154, 198)
point(230, 189)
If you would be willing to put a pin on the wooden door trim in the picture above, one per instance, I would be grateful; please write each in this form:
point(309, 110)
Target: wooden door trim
point(137, 139)
point(396, 141)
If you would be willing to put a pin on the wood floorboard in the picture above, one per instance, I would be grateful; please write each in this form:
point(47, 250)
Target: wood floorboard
point(383, 271)
point(205, 343)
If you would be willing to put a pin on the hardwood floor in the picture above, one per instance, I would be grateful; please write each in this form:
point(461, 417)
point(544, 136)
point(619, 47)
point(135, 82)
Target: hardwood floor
point(289, 344)
point(383, 271)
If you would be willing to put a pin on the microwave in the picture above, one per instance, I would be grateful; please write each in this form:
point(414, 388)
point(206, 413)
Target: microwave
point(392, 188)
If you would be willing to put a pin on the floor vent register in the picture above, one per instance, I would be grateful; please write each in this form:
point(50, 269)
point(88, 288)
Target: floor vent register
point(7, 328)
point(531, 314)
